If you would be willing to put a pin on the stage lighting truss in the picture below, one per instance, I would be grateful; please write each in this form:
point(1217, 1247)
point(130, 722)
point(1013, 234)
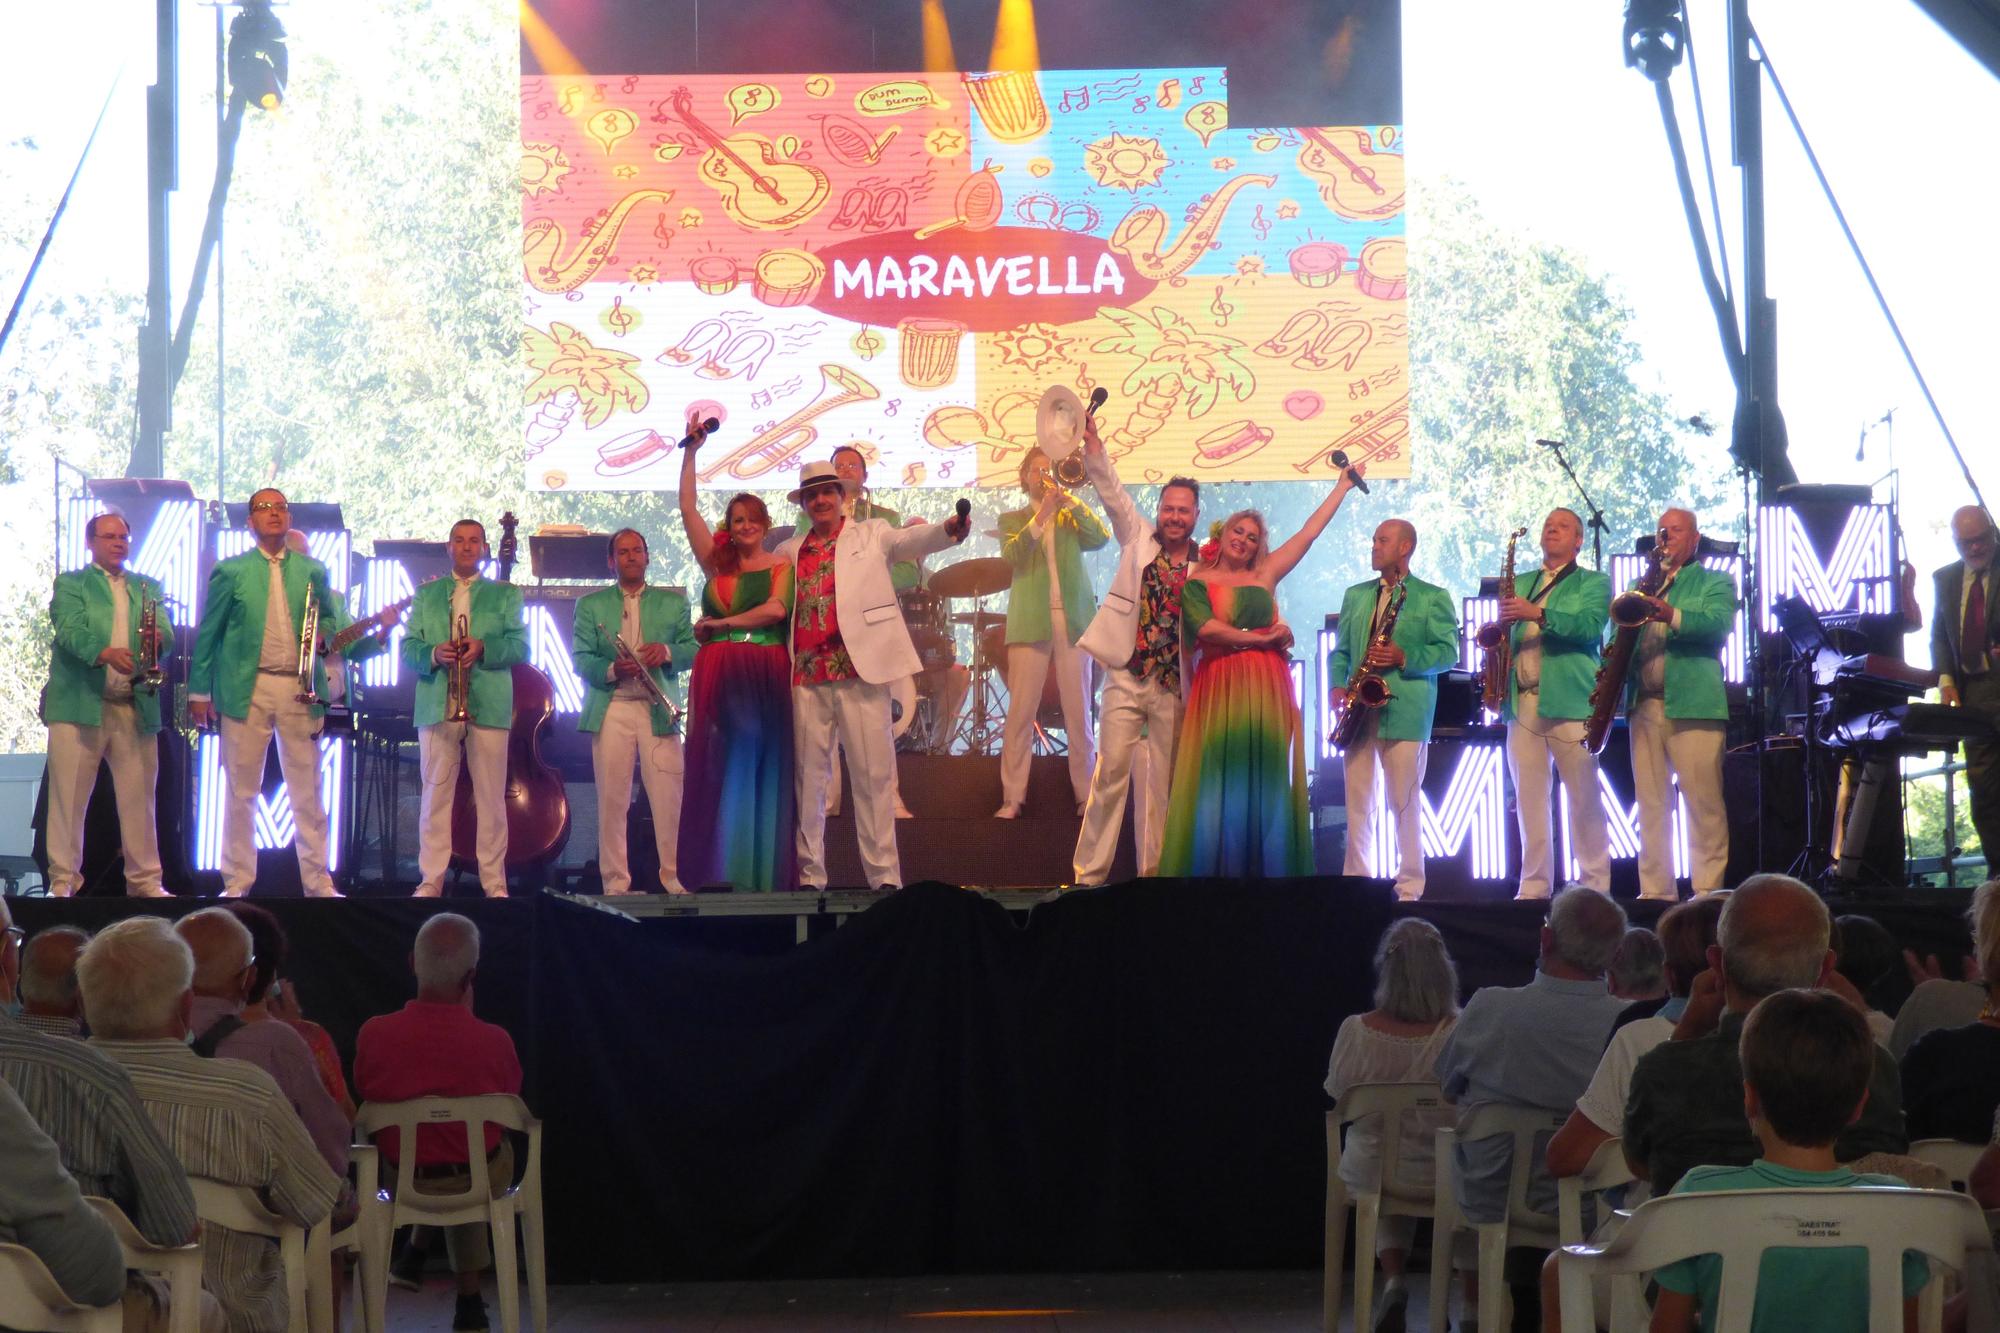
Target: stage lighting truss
point(258, 61)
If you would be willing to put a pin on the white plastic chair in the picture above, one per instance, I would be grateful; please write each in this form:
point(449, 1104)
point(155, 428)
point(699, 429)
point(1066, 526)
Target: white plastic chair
point(1606, 1170)
point(1390, 1198)
point(1740, 1225)
point(368, 1235)
point(1520, 1226)
point(238, 1208)
point(1950, 1156)
point(178, 1265)
point(472, 1204)
point(30, 1297)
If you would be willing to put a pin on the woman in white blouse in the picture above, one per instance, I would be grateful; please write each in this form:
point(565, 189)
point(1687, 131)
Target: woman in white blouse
point(1416, 1004)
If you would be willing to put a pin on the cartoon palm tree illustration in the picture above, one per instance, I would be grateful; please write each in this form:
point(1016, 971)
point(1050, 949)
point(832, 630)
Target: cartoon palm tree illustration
point(571, 372)
point(1175, 357)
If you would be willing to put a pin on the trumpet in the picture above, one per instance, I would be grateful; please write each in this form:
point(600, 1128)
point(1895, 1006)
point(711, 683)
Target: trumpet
point(149, 677)
point(458, 685)
point(308, 649)
point(656, 696)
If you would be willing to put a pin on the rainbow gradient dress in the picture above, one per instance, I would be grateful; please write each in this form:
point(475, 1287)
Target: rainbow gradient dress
point(738, 813)
point(1238, 807)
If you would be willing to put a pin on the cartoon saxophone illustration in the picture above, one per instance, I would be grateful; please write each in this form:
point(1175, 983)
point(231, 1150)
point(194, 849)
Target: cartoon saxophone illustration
point(542, 243)
point(1142, 232)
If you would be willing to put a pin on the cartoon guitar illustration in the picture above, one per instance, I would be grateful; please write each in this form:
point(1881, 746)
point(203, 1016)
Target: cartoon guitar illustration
point(1355, 181)
point(760, 186)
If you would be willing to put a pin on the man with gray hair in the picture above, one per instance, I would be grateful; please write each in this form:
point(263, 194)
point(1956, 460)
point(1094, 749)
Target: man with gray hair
point(434, 1047)
point(49, 1002)
point(224, 1119)
point(1534, 1045)
point(224, 970)
point(1685, 1108)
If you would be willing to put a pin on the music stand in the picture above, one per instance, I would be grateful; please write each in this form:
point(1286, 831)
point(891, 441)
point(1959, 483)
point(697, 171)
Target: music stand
point(569, 556)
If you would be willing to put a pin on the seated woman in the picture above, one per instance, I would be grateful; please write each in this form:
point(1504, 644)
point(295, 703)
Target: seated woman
point(1951, 1077)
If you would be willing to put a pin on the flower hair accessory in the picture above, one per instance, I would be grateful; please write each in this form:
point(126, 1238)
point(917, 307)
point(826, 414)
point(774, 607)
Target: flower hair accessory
point(1211, 549)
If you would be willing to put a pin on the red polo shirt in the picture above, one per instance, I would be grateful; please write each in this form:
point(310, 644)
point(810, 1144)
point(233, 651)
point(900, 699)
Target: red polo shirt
point(430, 1049)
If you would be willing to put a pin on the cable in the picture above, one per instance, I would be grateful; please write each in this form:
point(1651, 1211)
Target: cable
point(35, 264)
point(1707, 157)
point(1719, 300)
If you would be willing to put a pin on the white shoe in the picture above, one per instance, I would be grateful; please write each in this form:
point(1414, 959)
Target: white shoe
point(903, 811)
point(1416, 897)
point(1659, 897)
point(428, 891)
point(1532, 897)
point(1011, 810)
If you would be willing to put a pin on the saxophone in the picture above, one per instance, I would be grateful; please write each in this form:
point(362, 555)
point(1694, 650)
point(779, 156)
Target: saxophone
point(1498, 639)
point(1367, 692)
point(1629, 612)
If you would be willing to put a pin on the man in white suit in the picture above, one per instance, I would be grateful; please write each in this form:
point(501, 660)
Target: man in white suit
point(1136, 634)
point(849, 645)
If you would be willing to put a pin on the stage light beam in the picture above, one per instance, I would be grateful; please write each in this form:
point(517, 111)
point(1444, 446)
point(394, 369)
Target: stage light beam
point(547, 48)
point(938, 58)
point(1014, 44)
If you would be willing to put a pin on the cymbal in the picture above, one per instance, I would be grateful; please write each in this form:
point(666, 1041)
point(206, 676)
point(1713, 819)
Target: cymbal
point(977, 618)
point(778, 536)
point(973, 578)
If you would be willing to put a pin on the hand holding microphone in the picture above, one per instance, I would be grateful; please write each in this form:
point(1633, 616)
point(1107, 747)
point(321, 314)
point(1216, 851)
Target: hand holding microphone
point(1339, 459)
point(960, 524)
point(699, 430)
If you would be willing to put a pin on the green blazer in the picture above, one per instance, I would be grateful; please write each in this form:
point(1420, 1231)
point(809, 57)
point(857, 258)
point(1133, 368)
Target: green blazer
point(1076, 530)
point(82, 611)
point(663, 618)
point(1572, 639)
point(1707, 602)
point(1426, 631)
point(495, 621)
point(903, 573)
point(231, 635)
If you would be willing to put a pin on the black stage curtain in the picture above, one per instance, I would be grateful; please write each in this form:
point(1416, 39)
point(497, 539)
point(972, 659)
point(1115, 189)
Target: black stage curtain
point(1129, 1079)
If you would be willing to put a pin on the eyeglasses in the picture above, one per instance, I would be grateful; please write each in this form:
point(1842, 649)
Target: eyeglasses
point(263, 505)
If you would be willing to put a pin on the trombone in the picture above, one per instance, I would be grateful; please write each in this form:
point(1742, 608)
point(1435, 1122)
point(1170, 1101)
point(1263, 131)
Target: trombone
point(656, 696)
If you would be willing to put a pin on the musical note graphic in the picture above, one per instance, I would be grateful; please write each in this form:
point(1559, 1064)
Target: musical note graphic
point(569, 96)
point(1221, 309)
point(1260, 224)
point(618, 319)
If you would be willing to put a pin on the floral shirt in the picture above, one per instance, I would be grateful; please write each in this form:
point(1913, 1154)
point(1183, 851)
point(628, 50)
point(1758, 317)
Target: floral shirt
point(1158, 652)
point(819, 654)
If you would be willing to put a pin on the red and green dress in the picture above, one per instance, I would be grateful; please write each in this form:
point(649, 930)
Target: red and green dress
point(1238, 807)
point(738, 815)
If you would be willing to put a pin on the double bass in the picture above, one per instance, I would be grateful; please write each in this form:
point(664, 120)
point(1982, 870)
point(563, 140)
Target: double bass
point(537, 801)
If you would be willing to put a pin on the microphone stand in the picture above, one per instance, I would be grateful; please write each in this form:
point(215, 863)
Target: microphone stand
point(1596, 523)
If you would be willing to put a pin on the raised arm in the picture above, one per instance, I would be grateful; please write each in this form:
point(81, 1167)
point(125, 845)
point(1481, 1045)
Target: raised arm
point(1294, 550)
point(701, 540)
point(1124, 515)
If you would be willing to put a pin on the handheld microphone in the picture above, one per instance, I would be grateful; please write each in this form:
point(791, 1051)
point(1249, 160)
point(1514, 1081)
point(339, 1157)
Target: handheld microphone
point(965, 516)
point(708, 427)
point(1339, 459)
point(1550, 444)
point(1097, 397)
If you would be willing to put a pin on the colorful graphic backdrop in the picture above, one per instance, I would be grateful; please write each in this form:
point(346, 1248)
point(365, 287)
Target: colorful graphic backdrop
point(909, 262)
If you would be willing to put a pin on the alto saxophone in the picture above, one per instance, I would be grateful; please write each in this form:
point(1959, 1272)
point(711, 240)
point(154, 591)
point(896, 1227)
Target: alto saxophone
point(1498, 639)
point(1367, 692)
point(149, 677)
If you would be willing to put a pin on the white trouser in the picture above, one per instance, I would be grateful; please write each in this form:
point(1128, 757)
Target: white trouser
point(74, 753)
point(854, 715)
point(1028, 667)
point(274, 710)
point(1692, 749)
point(1130, 705)
point(1401, 765)
point(1532, 743)
point(626, 738)
point(442, 748)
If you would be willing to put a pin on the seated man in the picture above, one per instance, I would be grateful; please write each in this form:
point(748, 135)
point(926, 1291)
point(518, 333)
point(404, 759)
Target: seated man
point(1685, 1108)
point(434, 1047)
point(224, 1119)
point(224, 970)
point(42, 1209)
point(1808, 1059)
point(48, 981)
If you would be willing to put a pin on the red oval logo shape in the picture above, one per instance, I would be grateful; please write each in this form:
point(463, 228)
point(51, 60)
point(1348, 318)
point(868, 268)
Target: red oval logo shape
point(986, 281)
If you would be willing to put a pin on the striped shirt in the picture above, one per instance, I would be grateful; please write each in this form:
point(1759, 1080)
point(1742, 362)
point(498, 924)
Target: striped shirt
point(226, 1120)
point(87, 1104)
point(41, 1210)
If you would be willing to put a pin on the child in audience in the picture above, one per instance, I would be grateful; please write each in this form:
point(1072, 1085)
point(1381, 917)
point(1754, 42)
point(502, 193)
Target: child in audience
point(1806, 1059)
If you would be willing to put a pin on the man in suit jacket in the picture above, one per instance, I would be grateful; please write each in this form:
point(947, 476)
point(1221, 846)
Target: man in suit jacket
point(1678, 715)
point(1966, 655)
point(494, 642)
point(245, 675)
point(1048, 606)
point(95, 712)
point(1557, 617)
point(1136, 637)
point(623, 722)
point(1396, 742)
point(849, 645)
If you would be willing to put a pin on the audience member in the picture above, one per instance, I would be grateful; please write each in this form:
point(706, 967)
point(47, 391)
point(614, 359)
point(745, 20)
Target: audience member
point(1416, 1004)
point(1808, 1059)
point(224, 1119)
point(1638, 969)
point(1938, 1001)
point(1856, 968)
point(434, 1047)
point(48, 981)
point(1687, 930)
point(1951, 1077)
point(224, 969)
point(271, 997)
point(42, 1209)
point(1686, 1104)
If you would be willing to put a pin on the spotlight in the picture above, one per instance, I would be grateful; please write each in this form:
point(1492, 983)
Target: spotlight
point(258, 62)
point(1654, 37)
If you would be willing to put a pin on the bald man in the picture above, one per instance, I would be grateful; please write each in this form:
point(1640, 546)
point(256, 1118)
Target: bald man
point(1966, 657)
point(1392, 744)
point(1678, 714)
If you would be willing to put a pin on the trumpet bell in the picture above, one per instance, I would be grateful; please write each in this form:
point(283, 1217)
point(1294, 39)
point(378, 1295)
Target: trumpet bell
point(1059, 432)
point(1069, 470)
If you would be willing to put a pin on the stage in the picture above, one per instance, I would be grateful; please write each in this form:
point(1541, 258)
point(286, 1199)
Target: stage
point(930, 1081)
